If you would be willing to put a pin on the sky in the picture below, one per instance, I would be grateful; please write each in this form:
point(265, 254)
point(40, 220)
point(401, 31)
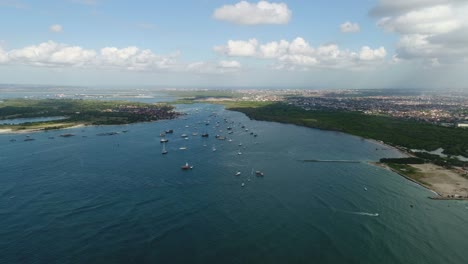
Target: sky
point(322, 44)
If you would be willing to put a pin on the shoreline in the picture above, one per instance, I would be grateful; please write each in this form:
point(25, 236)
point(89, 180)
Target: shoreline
point(438, 193)
point(9, 131)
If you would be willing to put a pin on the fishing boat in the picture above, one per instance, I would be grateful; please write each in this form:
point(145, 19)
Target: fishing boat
point(164, 151)
point(186, 166)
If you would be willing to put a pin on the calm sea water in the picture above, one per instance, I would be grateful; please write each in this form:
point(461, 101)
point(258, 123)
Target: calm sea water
point(116, 199)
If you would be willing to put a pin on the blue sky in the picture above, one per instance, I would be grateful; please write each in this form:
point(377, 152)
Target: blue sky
point(215, 43)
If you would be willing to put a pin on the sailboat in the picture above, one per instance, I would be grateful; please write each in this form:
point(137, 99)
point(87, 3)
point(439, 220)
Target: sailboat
point(186, 166)
point(164, 151)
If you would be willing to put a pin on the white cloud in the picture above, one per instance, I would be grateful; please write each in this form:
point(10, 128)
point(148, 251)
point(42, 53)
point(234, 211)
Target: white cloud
point(246, 13)
point(349, 27)
point(368, 54)
point(229, 64)
point(238, 48)
point(431, 20)
point(298, 52)
point(433, 31)
point(56, 28)
point(52, 54)
point(59, 56)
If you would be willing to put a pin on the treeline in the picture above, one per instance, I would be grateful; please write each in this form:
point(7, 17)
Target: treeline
point(393, 131)
point(410, 160)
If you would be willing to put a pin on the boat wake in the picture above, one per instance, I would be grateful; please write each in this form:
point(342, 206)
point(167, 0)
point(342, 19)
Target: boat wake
point(358, 213)
point(365, 214)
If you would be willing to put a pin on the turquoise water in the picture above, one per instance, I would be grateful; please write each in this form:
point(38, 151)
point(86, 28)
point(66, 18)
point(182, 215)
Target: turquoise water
point(116, 199)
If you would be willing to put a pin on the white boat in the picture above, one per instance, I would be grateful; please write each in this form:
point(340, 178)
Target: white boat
point(243, 184)
point(214, 148)
point(184, 135)
point(183, 148)
point(164, 140)
point(240, 144)
point(239, 153)
point(238, 173)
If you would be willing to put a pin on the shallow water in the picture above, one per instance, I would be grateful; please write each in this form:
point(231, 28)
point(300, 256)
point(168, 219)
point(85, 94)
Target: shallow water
point(116, 199)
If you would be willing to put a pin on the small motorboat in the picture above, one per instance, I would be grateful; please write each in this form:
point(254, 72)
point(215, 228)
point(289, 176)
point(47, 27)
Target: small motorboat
point(238, 173)
point(258, 173)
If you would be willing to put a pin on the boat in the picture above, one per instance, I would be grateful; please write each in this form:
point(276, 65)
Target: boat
point(183, 148)
point(240, 144)
point(29, 139)
point(184, 135)
point(365, 188)
point(204, 135)
point(162, 134)
point(258, 173)
point(214, 148)
point(238, 173)
point(164, 151)
point(164, 140)
point(169, 131)
point(12, 140)
point(230, 140)
point(67, 135)
point(229, 128)
point(186, 167)
point(194, 134)
point(243, 184)
point(239, 153)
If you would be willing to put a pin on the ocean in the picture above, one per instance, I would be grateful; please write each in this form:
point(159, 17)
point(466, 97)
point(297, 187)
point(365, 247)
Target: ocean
point(117, 199)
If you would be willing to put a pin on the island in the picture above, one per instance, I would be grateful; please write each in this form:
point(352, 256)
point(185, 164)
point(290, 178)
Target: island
point(66, 113)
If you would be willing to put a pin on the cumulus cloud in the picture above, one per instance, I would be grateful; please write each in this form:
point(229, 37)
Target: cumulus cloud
point(246, 13)
point(238, 48)
point(349, 27)
point(56, 28)
point(429, 30)
point(58, 55)
point(299, 53)
point(52, 54)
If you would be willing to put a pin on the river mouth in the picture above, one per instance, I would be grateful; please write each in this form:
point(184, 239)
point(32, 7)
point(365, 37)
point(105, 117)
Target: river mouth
point(19, 121)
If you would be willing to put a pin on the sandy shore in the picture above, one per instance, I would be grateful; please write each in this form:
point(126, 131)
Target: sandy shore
point(35, 130)
point(446, 184)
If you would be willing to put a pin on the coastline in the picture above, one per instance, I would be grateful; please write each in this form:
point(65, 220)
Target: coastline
point(35, 130)
point(446, 184)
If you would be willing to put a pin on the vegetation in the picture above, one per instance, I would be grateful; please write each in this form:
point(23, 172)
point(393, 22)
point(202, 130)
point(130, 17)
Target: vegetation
point(410, 160)
point(88, 112)
point(409, 171)
point(396, 132)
